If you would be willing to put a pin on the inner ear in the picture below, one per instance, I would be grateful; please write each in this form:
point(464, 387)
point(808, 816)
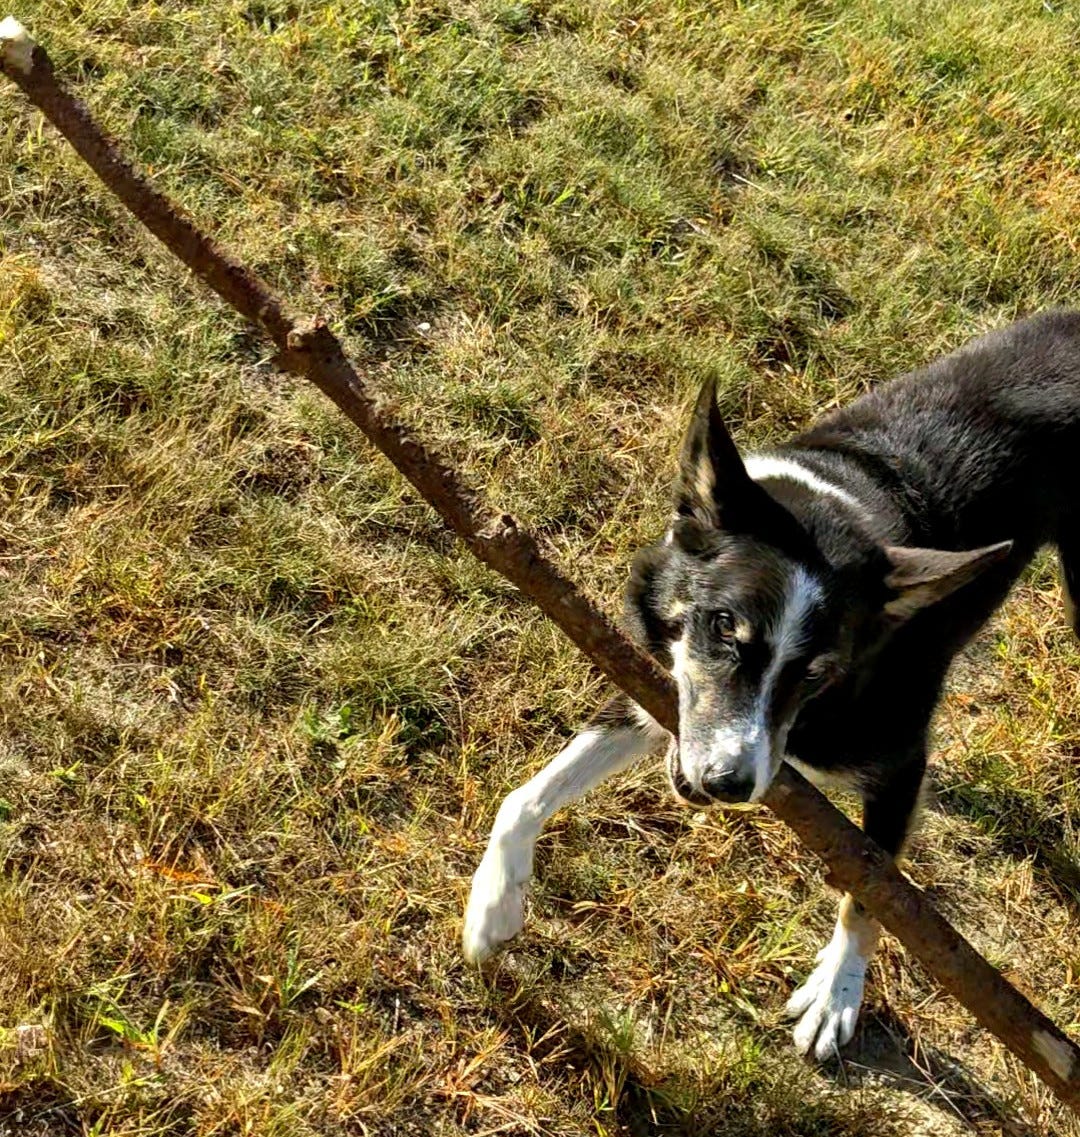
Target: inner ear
point(921, 577)
point(712, 486)
point(714, 493)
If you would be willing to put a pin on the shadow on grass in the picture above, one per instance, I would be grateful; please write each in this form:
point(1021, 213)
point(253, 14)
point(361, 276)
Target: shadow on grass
point(751, 1094)
point(41, 1110)
point(1021, 829)
point(884, 1051)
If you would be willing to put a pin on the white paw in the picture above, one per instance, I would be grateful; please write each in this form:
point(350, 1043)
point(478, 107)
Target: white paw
point(496, 909)
point(827, 1004)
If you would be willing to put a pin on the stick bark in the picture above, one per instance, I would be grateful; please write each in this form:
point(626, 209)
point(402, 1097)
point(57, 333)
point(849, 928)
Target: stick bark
point(308, 348)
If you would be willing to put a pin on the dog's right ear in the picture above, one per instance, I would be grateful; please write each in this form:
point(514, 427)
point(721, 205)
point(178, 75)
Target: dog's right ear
point(921, 577)
point(712, 486)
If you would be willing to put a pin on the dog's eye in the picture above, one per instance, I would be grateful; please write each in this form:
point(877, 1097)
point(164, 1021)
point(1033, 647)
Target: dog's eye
point(722, 625)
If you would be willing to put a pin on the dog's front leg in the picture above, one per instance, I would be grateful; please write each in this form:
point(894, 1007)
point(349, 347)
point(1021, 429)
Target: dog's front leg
point(827, 1004)
point(618, 736)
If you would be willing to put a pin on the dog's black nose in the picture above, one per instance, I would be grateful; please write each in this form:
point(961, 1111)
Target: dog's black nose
point(728, 785)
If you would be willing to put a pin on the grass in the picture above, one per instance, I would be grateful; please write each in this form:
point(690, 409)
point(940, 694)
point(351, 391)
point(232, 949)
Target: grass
point(258, 709)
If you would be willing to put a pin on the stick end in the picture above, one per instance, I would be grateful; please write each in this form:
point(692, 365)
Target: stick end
point(1057, 1053)
point(16, 46)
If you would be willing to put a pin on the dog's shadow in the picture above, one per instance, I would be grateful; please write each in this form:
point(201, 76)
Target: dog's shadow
point(752, 1102)
point(885, 1052)
point(1022, 830)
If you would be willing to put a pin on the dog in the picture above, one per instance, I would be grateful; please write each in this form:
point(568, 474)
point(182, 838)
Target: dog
point(809, 601)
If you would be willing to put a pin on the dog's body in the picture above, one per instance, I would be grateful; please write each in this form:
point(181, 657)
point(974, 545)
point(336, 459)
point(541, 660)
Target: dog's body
point(810, 601)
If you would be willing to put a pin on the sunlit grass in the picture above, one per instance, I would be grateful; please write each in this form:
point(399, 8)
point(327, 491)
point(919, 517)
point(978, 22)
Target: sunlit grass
point(258, 708)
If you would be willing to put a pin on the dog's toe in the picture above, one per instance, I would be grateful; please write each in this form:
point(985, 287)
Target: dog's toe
point(827, 1006)
point(803, 996)
point(496, 909)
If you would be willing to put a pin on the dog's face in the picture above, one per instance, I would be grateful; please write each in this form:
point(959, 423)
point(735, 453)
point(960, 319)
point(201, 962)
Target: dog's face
point(754, 620)
point(752, 634)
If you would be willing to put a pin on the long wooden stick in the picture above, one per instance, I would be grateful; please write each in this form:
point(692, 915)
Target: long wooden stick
point(309, 348)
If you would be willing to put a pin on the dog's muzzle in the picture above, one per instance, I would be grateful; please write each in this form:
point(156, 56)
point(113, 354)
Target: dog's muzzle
point(684, 791)
point(720, 787)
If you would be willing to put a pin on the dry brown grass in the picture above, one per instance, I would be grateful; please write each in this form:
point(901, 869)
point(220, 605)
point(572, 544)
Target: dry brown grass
point(258, 709)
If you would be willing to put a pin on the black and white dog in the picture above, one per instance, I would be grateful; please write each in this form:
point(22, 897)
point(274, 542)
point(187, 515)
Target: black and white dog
point(809, 602)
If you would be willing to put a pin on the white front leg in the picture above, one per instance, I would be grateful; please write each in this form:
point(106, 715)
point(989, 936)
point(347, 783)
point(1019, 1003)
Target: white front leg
point(827, 1004)
point(495, 911)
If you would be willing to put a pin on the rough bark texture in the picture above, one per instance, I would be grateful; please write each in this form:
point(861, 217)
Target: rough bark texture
point(310, 349)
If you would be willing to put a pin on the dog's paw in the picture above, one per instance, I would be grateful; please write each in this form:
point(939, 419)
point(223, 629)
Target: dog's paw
point(827, 1004)
point(496, 909)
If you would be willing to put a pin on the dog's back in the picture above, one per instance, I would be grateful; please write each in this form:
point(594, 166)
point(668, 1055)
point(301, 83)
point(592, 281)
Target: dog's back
point(979, 446)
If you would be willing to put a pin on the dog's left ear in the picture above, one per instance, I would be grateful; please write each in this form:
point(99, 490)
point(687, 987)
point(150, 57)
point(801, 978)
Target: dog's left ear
point(921, 577)
point(713, 486)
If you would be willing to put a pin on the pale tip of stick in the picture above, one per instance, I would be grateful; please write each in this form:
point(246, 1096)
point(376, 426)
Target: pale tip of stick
point(16, 45)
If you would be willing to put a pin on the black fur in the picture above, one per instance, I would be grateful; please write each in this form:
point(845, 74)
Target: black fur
point(978, 448)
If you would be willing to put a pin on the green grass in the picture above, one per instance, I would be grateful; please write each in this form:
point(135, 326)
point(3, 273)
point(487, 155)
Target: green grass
point(258, 708)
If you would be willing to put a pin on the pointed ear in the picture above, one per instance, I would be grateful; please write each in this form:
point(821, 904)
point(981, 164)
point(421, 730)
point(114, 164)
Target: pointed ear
point(712, 480)
point(921, 577)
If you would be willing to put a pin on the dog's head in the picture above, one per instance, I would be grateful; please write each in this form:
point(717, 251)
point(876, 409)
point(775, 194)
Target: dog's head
point(755, 620)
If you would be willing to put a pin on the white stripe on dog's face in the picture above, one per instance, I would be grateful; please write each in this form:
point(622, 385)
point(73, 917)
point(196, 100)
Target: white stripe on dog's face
point(803, 595)
point(716, 735)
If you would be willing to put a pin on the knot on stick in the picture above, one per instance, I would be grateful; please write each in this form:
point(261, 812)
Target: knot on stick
point(310, 334)
point(502, 527)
